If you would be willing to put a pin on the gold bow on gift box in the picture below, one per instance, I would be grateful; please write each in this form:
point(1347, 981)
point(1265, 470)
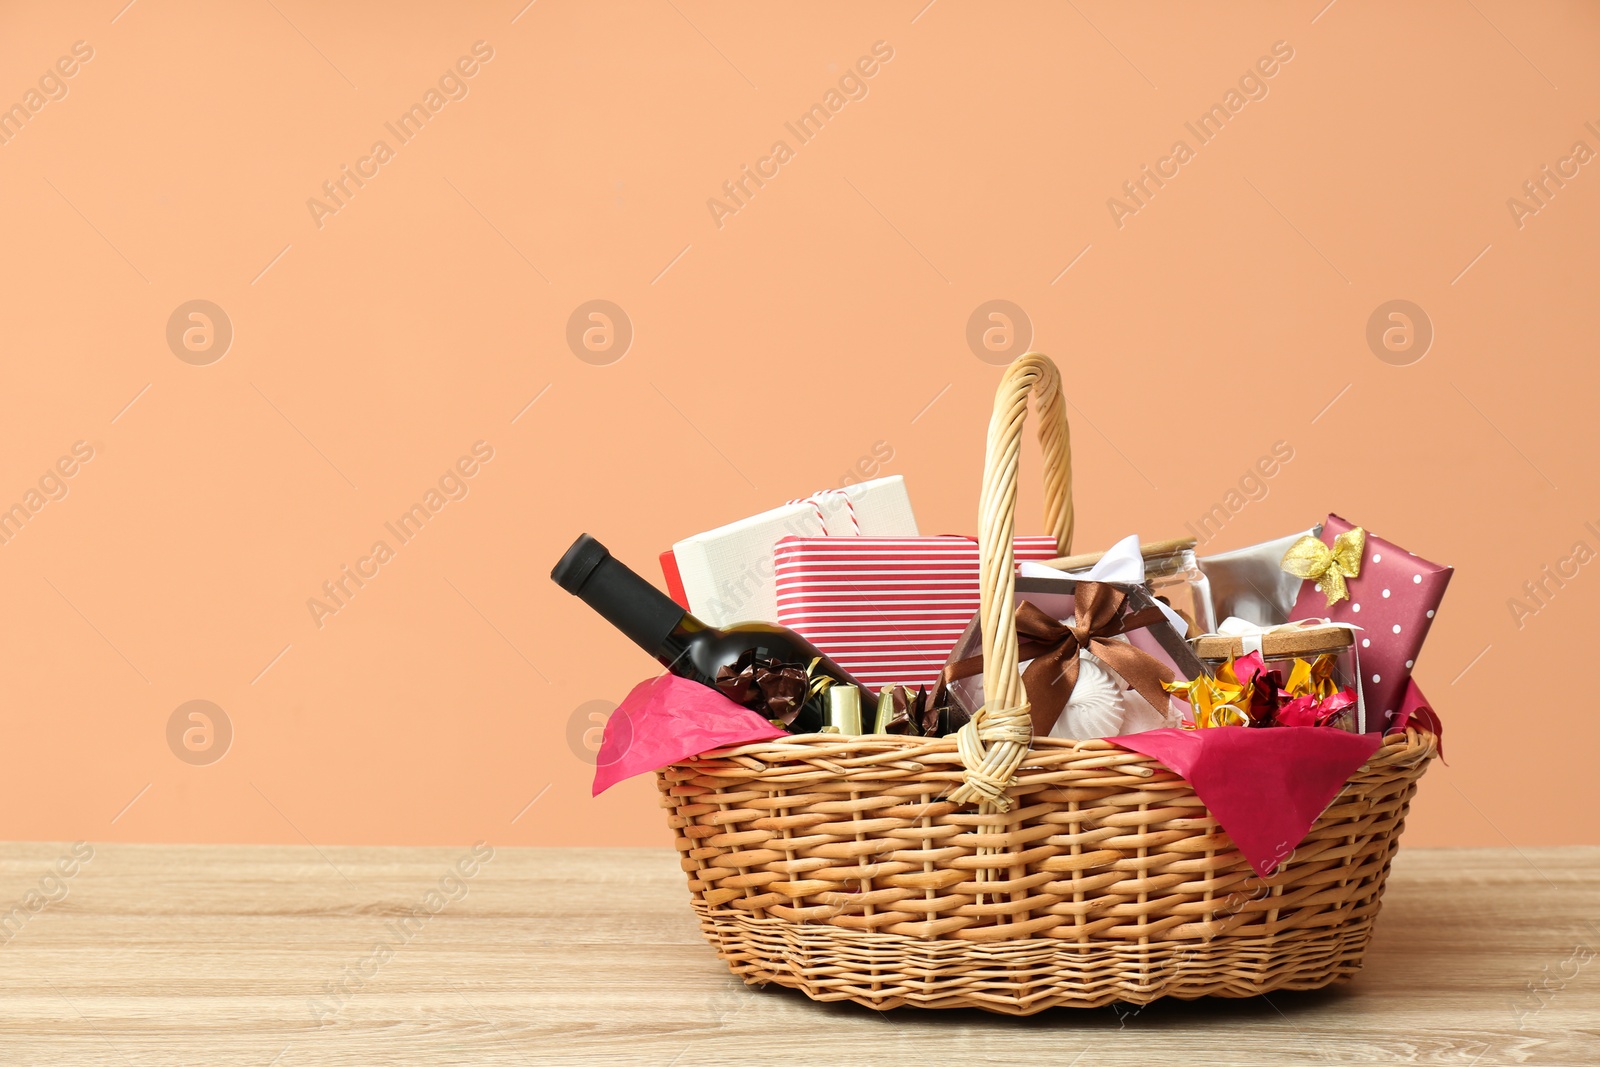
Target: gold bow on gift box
point(1310, 559)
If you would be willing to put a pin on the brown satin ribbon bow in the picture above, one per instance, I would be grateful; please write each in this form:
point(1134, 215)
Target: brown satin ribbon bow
point(1054, 646)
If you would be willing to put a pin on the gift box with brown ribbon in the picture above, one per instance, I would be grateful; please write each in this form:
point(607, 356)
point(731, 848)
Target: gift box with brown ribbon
point(1094, 658)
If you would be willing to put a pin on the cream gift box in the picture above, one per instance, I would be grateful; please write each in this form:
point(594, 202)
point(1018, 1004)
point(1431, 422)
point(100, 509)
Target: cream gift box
point(725, 575)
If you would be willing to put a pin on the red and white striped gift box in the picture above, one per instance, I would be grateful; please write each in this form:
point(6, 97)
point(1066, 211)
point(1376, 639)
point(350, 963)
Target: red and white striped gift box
point(886, 609)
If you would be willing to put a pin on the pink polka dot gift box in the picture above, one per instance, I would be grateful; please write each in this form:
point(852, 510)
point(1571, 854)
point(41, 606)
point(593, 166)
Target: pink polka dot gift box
point(1391, 594)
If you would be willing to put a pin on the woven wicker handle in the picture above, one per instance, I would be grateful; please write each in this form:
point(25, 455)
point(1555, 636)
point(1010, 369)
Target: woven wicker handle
point(993, 744)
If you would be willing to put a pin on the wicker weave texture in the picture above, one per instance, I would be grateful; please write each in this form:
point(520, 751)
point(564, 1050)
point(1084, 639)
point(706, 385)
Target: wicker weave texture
point(832, 865)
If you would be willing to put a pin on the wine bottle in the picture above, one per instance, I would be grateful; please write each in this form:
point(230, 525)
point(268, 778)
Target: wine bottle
point(682, 643)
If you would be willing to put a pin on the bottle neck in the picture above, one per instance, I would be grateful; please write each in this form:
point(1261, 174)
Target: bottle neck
point(644, 613)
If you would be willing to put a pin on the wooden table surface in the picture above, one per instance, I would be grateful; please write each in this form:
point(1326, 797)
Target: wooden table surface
point(224, 955)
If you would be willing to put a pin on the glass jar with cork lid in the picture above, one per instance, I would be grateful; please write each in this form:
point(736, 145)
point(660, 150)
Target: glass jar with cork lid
point(1312, 665)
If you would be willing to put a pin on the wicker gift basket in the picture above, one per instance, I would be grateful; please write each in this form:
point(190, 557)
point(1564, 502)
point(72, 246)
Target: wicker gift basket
point(995, 870)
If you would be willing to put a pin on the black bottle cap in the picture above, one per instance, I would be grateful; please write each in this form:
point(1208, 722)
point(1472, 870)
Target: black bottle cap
point(574, 568)
point(640, 610)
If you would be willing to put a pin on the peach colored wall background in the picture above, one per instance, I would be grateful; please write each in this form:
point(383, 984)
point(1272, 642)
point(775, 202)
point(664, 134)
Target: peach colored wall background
point(378, 339)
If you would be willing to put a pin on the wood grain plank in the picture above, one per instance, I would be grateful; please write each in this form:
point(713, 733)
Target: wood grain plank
point(287, 956)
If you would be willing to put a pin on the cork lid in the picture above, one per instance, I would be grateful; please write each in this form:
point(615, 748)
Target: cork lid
point(1308, 641)
point(1151, 550)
